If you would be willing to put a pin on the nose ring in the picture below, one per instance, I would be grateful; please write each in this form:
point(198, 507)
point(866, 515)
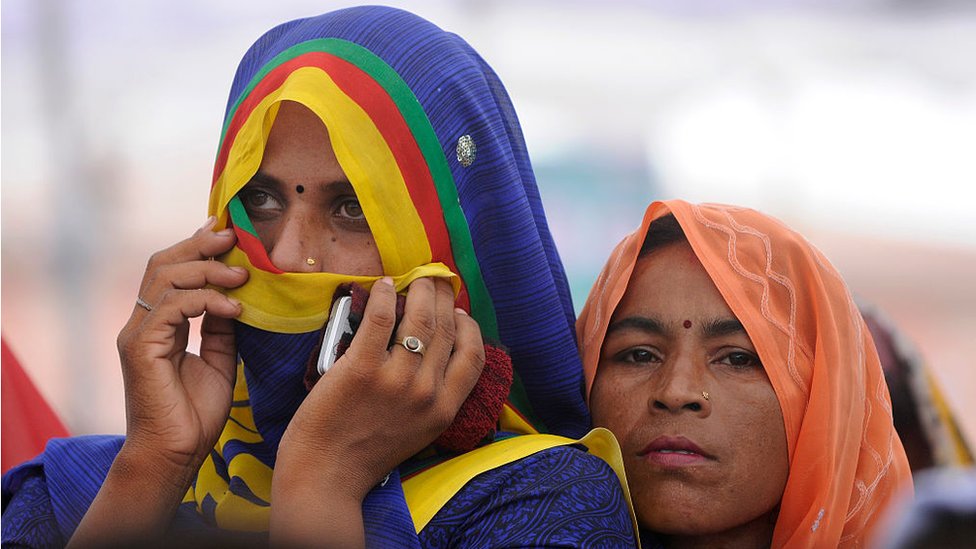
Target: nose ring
point(705, 395)
point(310, 261)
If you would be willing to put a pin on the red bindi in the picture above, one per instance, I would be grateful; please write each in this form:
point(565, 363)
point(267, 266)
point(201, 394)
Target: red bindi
point(687, 324)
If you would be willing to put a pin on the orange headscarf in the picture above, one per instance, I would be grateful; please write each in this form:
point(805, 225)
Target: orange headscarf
point(846, 461)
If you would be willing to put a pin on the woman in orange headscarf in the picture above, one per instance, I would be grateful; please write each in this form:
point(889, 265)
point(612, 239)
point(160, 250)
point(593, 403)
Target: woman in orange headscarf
point(726, 354)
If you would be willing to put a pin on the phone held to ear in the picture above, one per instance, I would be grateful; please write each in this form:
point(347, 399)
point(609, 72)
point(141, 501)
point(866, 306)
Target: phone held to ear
point(337, 326)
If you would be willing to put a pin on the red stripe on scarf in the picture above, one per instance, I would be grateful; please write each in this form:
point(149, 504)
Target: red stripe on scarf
point(383, 112)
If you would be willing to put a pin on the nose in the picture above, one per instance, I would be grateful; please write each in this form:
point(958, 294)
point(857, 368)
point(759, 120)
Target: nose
point(680, 386)
point(299, 244)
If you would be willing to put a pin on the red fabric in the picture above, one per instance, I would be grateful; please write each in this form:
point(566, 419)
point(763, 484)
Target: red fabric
point(476, 419)
point(27, 420)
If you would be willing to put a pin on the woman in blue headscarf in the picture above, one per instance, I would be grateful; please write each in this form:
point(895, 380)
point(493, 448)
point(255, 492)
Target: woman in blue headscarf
point(368, 152)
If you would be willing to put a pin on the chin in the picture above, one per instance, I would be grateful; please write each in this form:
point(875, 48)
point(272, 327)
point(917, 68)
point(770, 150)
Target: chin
point(677, 524)
point(677, 516)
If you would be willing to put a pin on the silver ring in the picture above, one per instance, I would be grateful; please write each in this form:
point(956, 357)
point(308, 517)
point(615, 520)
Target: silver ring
point(412, 344)
point(142, 303)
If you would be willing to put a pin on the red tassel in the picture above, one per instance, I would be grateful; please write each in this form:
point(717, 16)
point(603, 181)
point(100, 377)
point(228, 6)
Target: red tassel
point(476, 419)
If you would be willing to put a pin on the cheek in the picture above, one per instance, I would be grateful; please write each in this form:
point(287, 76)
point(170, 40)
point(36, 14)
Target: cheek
point(612, 405)
point(352, 254)
point(765, 463)
point(368, 261)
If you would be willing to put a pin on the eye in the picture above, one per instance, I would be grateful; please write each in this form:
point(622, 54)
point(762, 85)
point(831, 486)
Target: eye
point(350, 209)
point(741, 360)
point(259, 202)
point(637, 355)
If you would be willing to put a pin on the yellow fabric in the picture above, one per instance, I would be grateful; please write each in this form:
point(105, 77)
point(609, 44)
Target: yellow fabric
point(509, 420)
point(292, 303)
point(429, 490)
point(233, 512)
point(299, 302)
point(960, 455)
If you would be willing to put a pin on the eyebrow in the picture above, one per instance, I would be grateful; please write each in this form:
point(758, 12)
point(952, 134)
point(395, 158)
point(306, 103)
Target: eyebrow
point(642, 323)
point(261, 177)
point(711, 329)
point(722, 327)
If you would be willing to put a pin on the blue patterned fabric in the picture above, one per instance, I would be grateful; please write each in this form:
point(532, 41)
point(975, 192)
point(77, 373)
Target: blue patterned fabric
point(561, 497)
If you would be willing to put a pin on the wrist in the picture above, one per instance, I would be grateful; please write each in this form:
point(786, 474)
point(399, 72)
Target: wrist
point(308, 473)
point(144, 468)
point(136, 502)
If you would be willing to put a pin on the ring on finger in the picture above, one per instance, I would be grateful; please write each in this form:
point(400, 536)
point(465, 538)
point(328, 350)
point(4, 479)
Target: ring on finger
point(412, 344)
point(142, 303)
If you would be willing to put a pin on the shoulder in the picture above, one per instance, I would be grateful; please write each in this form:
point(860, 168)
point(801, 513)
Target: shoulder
point(560, 496)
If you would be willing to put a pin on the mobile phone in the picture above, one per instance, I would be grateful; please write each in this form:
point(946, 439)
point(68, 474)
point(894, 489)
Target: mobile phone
point(337, 326)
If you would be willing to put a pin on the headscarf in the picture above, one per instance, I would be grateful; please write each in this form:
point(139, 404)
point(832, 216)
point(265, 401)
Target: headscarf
point(846, 461)
point(429, 140)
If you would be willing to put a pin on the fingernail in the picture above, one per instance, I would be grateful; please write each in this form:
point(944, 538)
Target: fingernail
point(234, 302)
point(209, 223)
point(386, 280)
point(460, 311)
point(225, 232)
point(238, 269)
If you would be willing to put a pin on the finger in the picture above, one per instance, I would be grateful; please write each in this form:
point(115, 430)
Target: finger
point(371, 339)
point(203, 244)
point(162, 333)
point(177, 306)
point(442, 342)
point(191, 275)
point(468, 360)
point(419, 316)
point(217, 345)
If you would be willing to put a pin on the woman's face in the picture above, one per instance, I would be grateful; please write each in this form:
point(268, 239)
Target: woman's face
point(302, 205)
point(696, 465)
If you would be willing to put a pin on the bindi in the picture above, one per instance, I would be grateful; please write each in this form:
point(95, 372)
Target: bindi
point(300, 189)
point(687, 324)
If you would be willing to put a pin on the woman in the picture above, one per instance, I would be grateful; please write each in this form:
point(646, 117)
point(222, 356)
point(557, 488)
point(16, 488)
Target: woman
point(363, 146)
point(756, 411)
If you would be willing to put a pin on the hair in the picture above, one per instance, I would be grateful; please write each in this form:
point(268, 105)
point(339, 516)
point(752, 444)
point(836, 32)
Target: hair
point(662, 232)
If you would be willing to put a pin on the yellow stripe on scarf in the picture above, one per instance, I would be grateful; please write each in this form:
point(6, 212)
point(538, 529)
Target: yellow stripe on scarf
point(299, 302)
point(372, 169)
point(294, 303)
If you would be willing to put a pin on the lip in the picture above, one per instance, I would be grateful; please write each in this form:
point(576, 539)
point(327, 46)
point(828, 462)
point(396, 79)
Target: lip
point(674, 451)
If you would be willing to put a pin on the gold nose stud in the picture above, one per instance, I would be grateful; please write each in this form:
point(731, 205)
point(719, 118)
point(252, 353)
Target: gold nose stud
point(705, 395)
point(310, 261)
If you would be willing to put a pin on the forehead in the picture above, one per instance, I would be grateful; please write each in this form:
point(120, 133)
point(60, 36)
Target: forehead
point(671, 281)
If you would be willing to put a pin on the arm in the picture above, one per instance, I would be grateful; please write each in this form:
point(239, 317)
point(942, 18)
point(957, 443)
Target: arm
point(375, 408)
point(176, 402)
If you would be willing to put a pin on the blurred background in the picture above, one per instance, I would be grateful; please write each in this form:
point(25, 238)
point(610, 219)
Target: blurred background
point(854, 121)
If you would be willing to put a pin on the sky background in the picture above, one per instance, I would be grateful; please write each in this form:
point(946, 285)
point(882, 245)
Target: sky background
point(853, 121)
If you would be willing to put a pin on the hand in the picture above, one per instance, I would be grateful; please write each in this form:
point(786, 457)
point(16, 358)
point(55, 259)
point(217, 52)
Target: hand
point(177, 402)
point(373, 409)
